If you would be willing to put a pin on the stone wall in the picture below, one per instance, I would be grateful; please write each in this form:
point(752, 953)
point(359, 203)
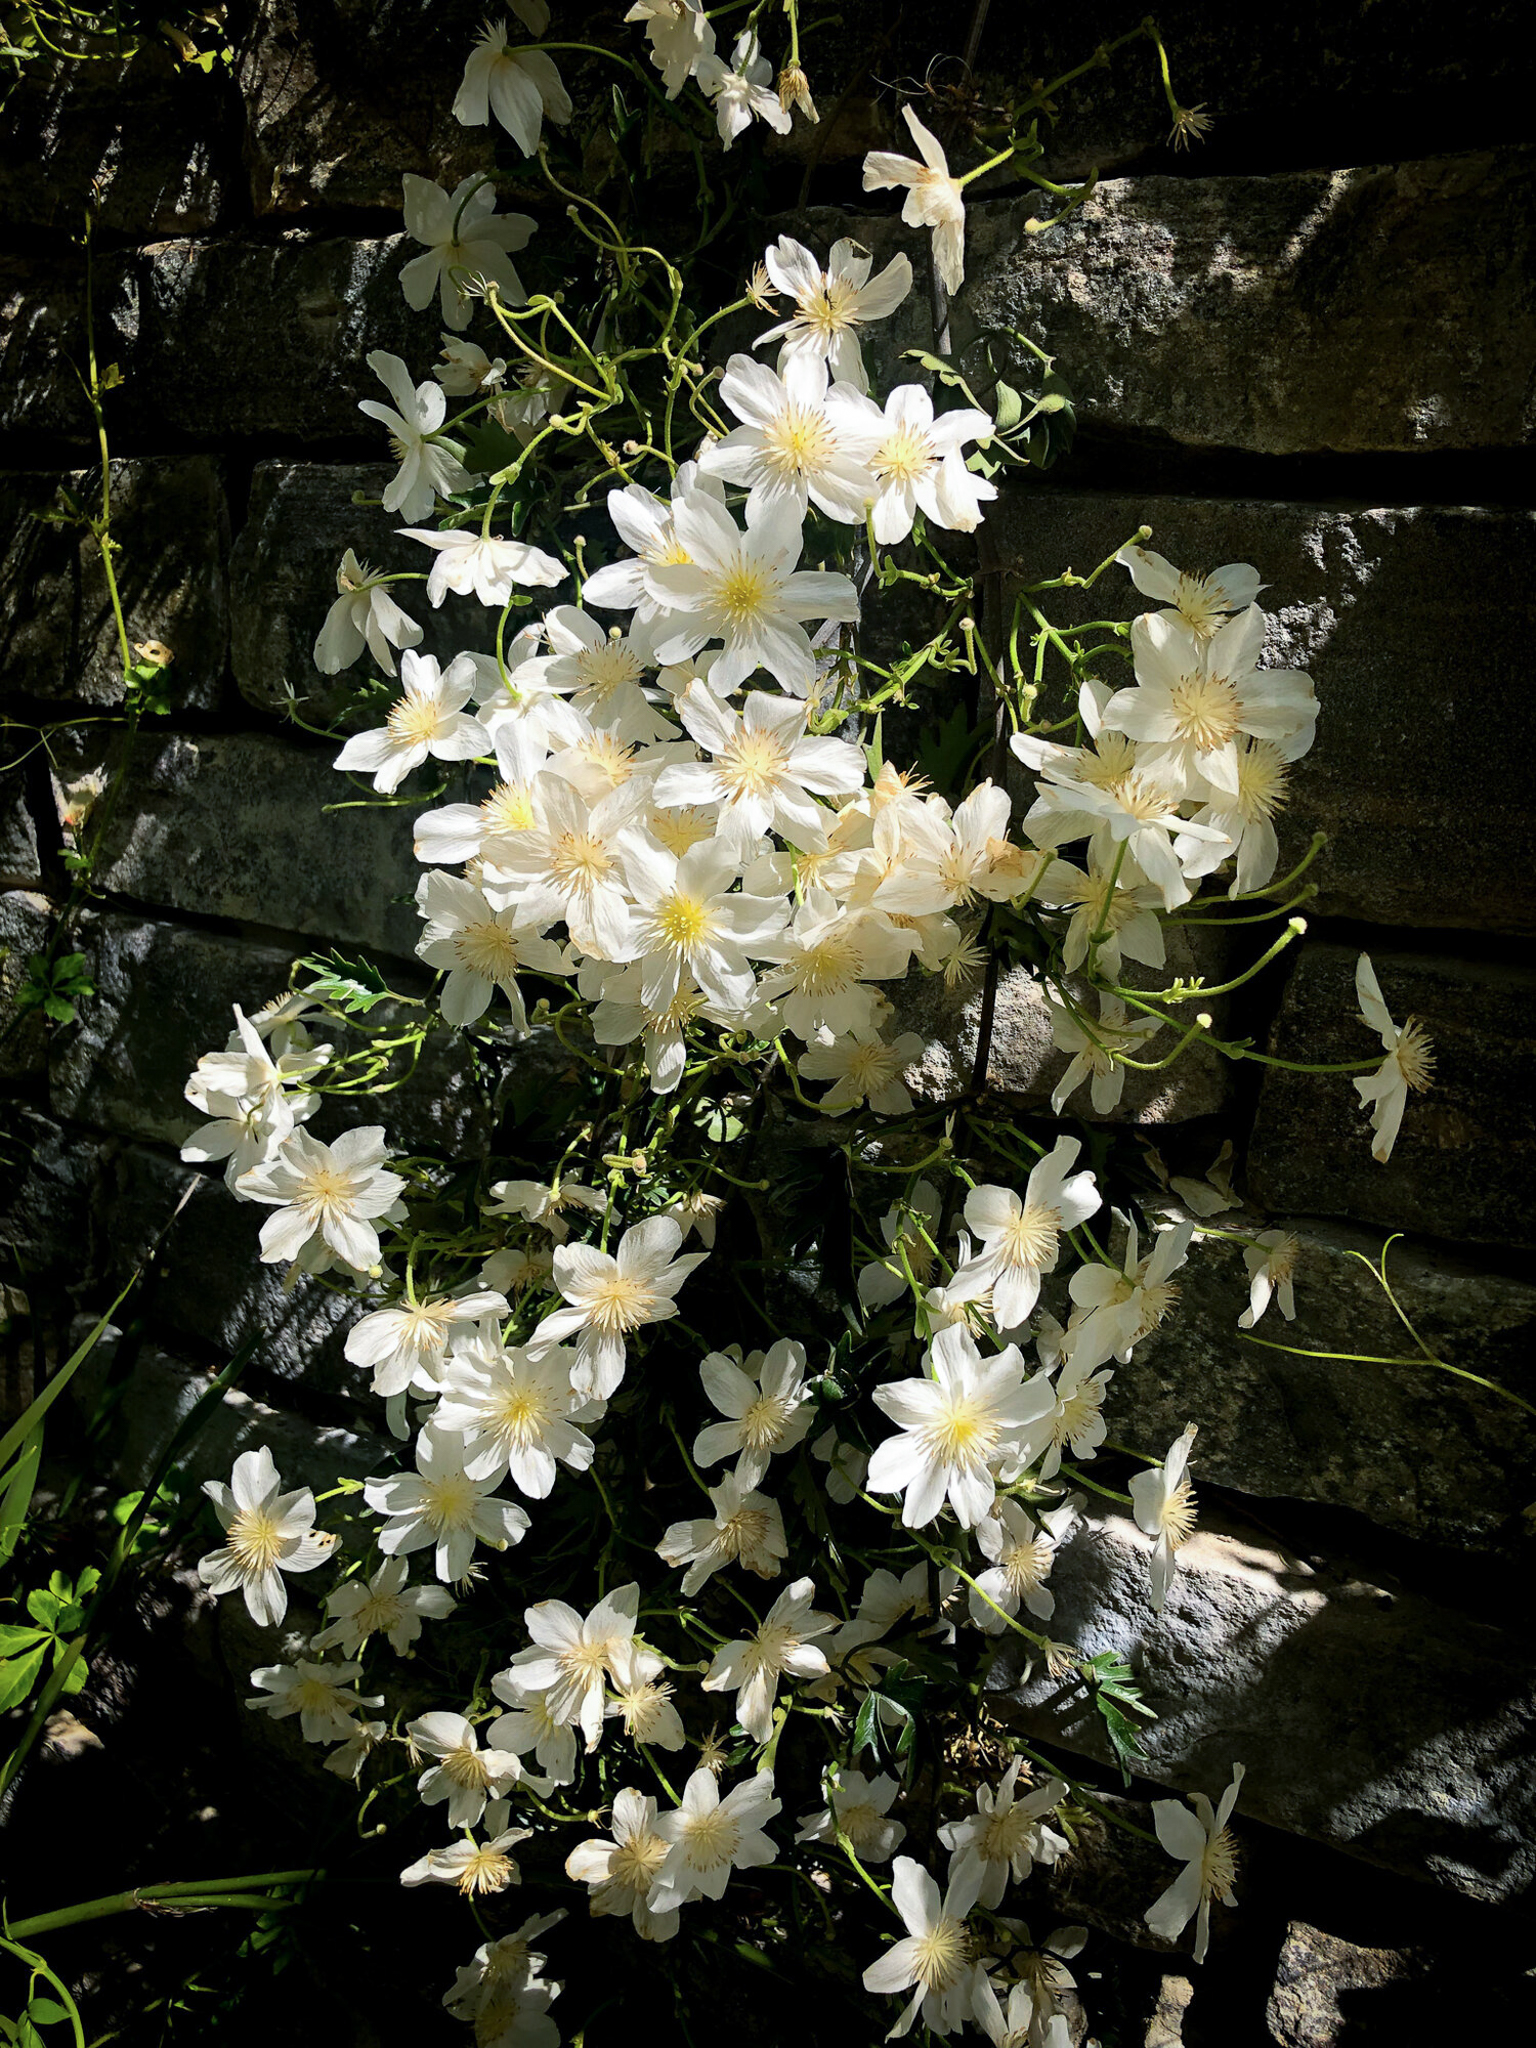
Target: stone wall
point(1311, 346)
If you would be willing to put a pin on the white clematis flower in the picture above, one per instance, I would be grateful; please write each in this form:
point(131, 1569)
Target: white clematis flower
point(610, 1295)
point(465, 1775)
point(383, 1605)
point(857, 1807)
point(1409, 1064)
point(955, 1429)
point(1271, 1263)
point(937, 1955)
point(266, 1533)
point(764, 770)
point(1021, 1553)
point(430, 467)
point(1201, 603)
point(708, 1837)
point(746, 1529)
point(572, 1654)
point(831, 305)
point(1005, 1837)
point(473, 564)
point(513, 1405)
point(934, 199)
point(441, 1506)
point(364, 615)
point(331, 1192)
point(320, 1694)
point(1201, 1841)
point(680, 36)
point(481, 949)
point(783, 1644)
point(767, 1406)
point(741, 89)
point(1019, 1241)
point(465, 237)
point(427, 719)
point(916, 458)
point(621, 1872)
point(520, 87)
point(406, 1345)
point(791, 448)
point(1163, 1501)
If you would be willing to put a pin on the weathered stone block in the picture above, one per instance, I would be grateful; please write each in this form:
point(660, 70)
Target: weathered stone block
point(161, 1393)
point(239, 337)
point(163, 998)
point(213, 1290)
point(1024, 1064)
point(334, 117)
point(1415, 624)
point(283, 582)
point(1461, 1167)
point(59, 643)
point(19, 866)
point(1369, 1718)
point(1417, 1450)
point(24, 921)
point(1368, 310)
point(1318, 1984)
point(236, 827)
point(48, 1187)
point(148, 144)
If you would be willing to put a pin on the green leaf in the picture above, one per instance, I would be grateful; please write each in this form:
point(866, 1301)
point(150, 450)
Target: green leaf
point(46, 2012)
point(14, 1637)
point(1007, 406)
point(355, 986)
point(1116, 1695)
point(45, 1608)
point(18, 1675)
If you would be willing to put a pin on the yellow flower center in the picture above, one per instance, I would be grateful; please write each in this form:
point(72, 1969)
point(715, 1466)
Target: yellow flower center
point(961, 1433)
point(798, 442)
point(942, 1954)
point(508, 808)
point(636, 1862)
point(465, 1767)
point(905, 457)
point(487, 949)
point(763, 1423)
point(1111, 757)
point(525, 1412)
point(678, 830)
point(449, 1503)
point(871, 1067)
point(377, 1613)
point(1261, 781)
point(710, 1839)
point(744, 592)
point(1031, 1237)
point(1028, 1565)
point(1199, 604)
point(607, 668)
point(486, 1870)
point(1415, 1056)
point(1206, 709)
point(1178, 1516)
point(751, 763)
point(326, 1191)
point(1218, 1866)
point(618, 1303)
point(828, 966)
point(254, 1541)
point(414, 721)
point(1078, 1410)
point(831, 308)
point(680, 922)
point(579, 861)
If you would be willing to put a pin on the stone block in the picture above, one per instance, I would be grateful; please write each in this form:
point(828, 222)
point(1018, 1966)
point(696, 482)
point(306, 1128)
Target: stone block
point(233, 338)
point(49, 1180)
point(160, 1393)
point(163, 998)
point(1414, 624)
point(149, 144)
point(1322, 1982)
point(213, 1291)
point(24, 922)
point(1418, 1450)
point(1369, 1717)
point(1461, 1167)
point(336, 110)
point(58, 642)
point(1024, 1064)
point(1370, 310)
point(19, 866)
point(235, 826)
point(282, 573)
point(1378, 310)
